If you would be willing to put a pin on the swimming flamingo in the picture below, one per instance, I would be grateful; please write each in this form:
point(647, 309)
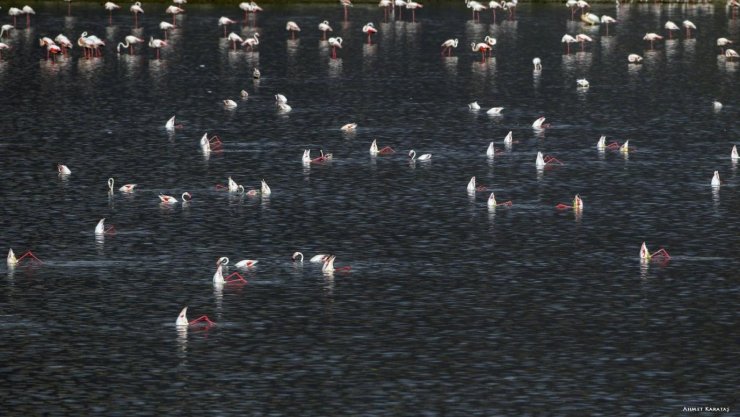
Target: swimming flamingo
point(63, 170)
point(582, 83)
point(492, 203)
point(539, 123)
point(174, 11)
point(634, 59)
point(481, 47)
point(412, 5)
point(329, 268)
point(130, 42)
point(165, 27)
point(252, 42)
point(168, 199)
point(225, 22)
point(688, 25)
point(423, 157)
point(349, 127)
point(660, 254)
point(369, 28)
point(230, 104)
point(606, 20)
point(567, 40)
point(234, 38)
point(265, 189)
point(448, 45)
point(110, 6)
point(233, 187)
point(733, 154)
point(715, 179)
point(324, 27)
point(156, 44)
point(335, 43)
point(136, 9)
point(28, 11)
point(509, 139)
point(101, 230)
point(218, 276)
point(652, 37)
point(126, 188)
point(246, 263)
point(182, 320)
point(320, 258)
point(670, 27)
point(386, 150)
point(537, 63)
point(474, 106)
point(293, 28)
point(346, 4)
point(495, 111)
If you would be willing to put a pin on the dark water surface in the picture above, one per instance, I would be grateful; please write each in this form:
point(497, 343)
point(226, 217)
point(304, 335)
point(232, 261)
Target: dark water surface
point(450, 309)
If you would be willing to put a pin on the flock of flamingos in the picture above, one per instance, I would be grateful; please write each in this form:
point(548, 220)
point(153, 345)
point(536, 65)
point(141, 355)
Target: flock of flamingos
point(91, 47)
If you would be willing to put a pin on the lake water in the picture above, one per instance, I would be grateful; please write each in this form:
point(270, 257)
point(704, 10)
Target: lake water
point(450, 309)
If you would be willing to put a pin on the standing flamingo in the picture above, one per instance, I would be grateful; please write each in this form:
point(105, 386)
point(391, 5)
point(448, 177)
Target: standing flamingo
point(412, 5)
point(369, 28)
point(293, 28)
point(28, 11)
point(63, 42)
point(335, 43)
point(481, 47)
point(476, 7)
point(567, 40)
point(448, 45)
point(252, 42)
point(225, 22)
point(174, 11)
point(165, 27)
point(136, 9)
point(234, 38)
point(130, 41)
point(386, 5)
point(493, 5)
point(346, 4)
point(6, 29)
point(491, 41)
point(156, 44)
point(14, 11)
point(582, 38)
point(670, 27)
point(110, 6)
point(688, 25)
point(652, 37)
point(606, 20)
point(324, 27)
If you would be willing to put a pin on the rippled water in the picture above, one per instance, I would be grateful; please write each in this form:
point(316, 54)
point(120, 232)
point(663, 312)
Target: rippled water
point(450, 309)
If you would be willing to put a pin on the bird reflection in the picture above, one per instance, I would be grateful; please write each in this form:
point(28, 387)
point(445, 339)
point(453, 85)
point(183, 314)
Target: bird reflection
point(182, 342)
point(335, 67)
point(100, 244)
point(450, 64)
point(69, 22)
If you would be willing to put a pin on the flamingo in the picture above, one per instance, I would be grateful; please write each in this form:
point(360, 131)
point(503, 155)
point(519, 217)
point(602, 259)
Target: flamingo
point(284, 107)
point(229, 104)
point(335, 43)
point(265, 189)
point(422, 157)
point(567, 40)
point(493, 5)
point(328, 267)
point(63, 170)
point(386, 150)
point(494, 111)
point(474, 106)
point(179, 3)
point(182, 319)
point(634, 59)
point(448, 45)
point(252, 42)
point(481, 47)
point(539, 161)
point(280, 99)
point(625, 148)
point(349, 127)
point(170, 125)
point(156, 44)
point(539, 123)
point(572, 5)
point(110, 6)
point(165, 27)
point(293, 28)
point(233, 187)
point(509, 139)
point(652, 37)
point(244, 94)
point(715, 179)
point(6, 29)
point(471, 188)
point(218, 276)
point(491, 151)
point(386, 5)
point(716, 105)
point(670, 27)
point(346, 4)
point(688, 25)
point(306, 158)
point(324, 27)
point(491, 41)
point(722, 43)
point(320, 258)
point(45, 41)
point(537, 63)
point(412, 5)
point(234, 38)
point(476, 7)
point(590, 19)
point(582, 38)
point(606, 20)
point(511, 7)
point(225, 22)
point(130, 41)
point(400, 4)
point(15, 12)
point(733, 154)
point(53, 50)
point(583, 83)
point(248, 8)
point(64, 42)
point(101, 230)
point(174, 11)
point(731, 54)
point(127, 188)
point(577, 202)
point(12, 261)
point(28, 11)
point(369, 28)
point(246, 263)
point(168, 199)
point(136, 9)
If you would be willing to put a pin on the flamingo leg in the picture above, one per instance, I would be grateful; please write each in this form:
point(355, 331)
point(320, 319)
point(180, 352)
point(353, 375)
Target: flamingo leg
point(110, 17)
point(345, 13)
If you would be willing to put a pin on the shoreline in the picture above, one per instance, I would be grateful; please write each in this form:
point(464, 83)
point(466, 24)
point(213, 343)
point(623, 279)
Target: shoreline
point(363, 2)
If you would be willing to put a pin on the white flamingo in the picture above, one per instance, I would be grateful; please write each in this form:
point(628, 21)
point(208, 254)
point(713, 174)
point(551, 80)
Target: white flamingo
point(136, 9)
point(129, 43)
point(110, 6)
point(234, 38)
point(168, 199)
point(174, 11)
point(157, 44)
point(335, 43)
point(670, 27)
point(293, 28)
point(688, 25)
point(63, 170)
point(324, 27)
point(225, 22)
point(448, 45)
point(126, 188)
point(715, 179)
point(165, 27)
point(422, 157)
point(733, 154)
point(537, 64)
point(320, 258)
point(369, 29)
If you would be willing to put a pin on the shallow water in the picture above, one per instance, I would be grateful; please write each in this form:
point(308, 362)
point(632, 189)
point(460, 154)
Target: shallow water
point(450, 308)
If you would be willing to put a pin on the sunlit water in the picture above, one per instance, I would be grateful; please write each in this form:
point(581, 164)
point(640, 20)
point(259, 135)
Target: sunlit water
point(450, 309)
